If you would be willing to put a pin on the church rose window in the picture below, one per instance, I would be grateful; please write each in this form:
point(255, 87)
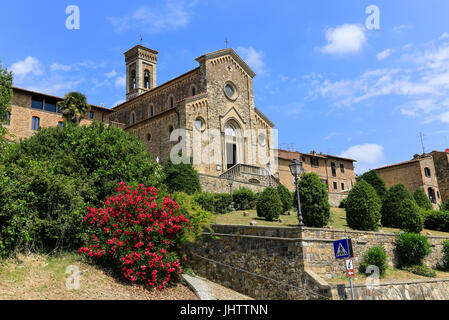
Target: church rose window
point(230, 91)
point(199, 124)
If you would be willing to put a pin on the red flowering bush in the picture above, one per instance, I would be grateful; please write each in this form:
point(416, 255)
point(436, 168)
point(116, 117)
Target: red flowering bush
point(140, 237)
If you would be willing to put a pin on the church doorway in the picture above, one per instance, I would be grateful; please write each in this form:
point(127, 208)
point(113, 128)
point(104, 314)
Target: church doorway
point(231, 146)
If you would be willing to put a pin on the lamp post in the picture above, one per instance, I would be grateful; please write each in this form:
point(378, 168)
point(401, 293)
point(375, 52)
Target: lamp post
point(269, 174)
point(296, 169)
point(231, 181)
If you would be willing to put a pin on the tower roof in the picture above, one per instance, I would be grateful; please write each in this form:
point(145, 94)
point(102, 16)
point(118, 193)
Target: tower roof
point(140, 47)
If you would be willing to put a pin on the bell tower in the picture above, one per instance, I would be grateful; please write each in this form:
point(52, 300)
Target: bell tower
point(140, 71)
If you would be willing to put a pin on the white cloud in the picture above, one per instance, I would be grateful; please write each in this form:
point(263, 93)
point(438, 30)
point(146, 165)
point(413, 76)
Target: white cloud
point(120, 82)
point(111, 74)
point(368, 156)
point(402, 27)
point(384, 54)
point(30, 65)
point(157, 18)
point(253, 58)
point(346, 38)
point(60, 67)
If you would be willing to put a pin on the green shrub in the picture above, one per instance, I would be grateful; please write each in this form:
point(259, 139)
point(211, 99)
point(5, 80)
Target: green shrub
point(315, 206)
point(269, 204)
point(342, 204)
point(445, 205)
point(206, 200)
point(198, 217)
point(410, 216)
point(181, 177)
point(286, 198)
point(411, 249)
point(390, 206)
point(222, 201)
point(374, 256)
point(48, 181)
point(376, 182)
point(213, 202)
point(445, 259)
point(436, 220)
point(363, 207)
point(244, 199)
point(421, 271)
point(422, 200)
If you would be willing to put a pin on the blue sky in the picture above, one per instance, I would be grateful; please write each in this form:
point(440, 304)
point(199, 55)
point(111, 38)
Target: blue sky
point(327, 81)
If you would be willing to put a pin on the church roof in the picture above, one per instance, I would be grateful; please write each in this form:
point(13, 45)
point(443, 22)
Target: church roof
point(233, 54)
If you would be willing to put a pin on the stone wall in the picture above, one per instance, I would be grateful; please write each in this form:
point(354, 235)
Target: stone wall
point(216, 184)
point(293, 263)
point(335, 198)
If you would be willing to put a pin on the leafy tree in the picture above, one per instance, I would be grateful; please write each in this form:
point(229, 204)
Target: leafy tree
point(411, 249)
point(363, 207)
point(410, 216)
point(269, 204)
point(375, 181)
point(48, 181)
point(243, 198)
point(315, 206)
point(5, 100)
point(286, 197)
point(390, 206)
point(445, 206)
point(74, 106)
point(374, 256)
point(422, 200)
point(181, 177)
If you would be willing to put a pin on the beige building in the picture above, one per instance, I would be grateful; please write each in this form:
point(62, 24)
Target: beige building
point(336, 172)
point(418, 173)
point(31, 110)
point(441, 163)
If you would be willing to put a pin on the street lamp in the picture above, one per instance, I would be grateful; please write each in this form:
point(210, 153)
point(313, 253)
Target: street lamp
point(231, 181)
point(296, 169)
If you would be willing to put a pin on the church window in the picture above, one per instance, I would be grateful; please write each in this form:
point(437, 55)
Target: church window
point(230, 131)
point(151, 113)
point(170, 129)
point(146, 79)
point(262, 140)
point(149, 137)
point(427, 172)
point(431, 193)
point(172, 102)
point(230, 91)
point(133, 117)
point(193, 90)
point(133, 83)
point(199, 124)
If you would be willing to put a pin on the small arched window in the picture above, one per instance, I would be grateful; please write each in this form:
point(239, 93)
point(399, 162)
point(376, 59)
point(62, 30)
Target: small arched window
point(133, 118)
point(193, 90)
point(427, 172)
point(172, 102)
point(35, 123)
point(146, 79)
point(170, 129)
point(133, 83)
point(151, 111)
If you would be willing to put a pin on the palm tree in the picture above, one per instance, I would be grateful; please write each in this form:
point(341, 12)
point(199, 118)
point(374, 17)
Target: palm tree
point(74, 106)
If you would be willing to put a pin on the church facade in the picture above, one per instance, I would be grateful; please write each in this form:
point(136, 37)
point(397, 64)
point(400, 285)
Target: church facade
point(207, 113)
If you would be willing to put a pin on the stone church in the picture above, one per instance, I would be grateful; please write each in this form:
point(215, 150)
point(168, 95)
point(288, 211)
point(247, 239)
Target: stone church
point(214, 100)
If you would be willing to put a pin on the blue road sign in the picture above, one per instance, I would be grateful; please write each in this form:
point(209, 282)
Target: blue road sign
point(343, 249)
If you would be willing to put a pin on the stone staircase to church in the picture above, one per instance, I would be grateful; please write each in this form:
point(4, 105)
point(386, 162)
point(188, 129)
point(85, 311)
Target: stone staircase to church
point(251, 174)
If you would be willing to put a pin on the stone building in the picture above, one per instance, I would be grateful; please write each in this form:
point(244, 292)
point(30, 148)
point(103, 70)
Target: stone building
point(336, 172)
point(215, 102)
point(418, 173)
point(31, 110)
point(441, 163)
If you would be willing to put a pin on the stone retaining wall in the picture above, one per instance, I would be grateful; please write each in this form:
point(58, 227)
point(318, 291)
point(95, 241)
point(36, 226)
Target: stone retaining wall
point(293, 263)
point(220, 185)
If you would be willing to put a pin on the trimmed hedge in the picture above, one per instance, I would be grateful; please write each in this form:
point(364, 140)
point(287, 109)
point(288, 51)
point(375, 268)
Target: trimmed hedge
point(269, 204)
point(390, 206)
point(286, 198)
point(373, 178)
point(422, 200)
point(244, 199)
point(181, 177)
point(214, 202)
point(411, 249)
point(410, 216)
point(445, 259)
point(436, 220)
point(363, 207)
point(315, 206)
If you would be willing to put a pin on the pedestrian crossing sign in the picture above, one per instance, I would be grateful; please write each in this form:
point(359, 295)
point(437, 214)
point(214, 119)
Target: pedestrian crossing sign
point(343, 249)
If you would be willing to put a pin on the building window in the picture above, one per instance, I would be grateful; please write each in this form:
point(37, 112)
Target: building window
point(91, 114)
point(151, 112)
point(172, 102)
point(170, 129)
point(199, 124)
point(61, 124)
point(335, 186)
point(431, 193)
point(438, 194)
point(427, 172)
point(342, 186)
point(334, 169)
point(133, 84)
point(35, 123)
point(342, 168)
point(303, 159)
point(37, 103)
point(7, 120)
point(133, 117)
point(193, 91)
point(314, 162)
point(58, 109)
point(51, 107)
point(149, 137)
